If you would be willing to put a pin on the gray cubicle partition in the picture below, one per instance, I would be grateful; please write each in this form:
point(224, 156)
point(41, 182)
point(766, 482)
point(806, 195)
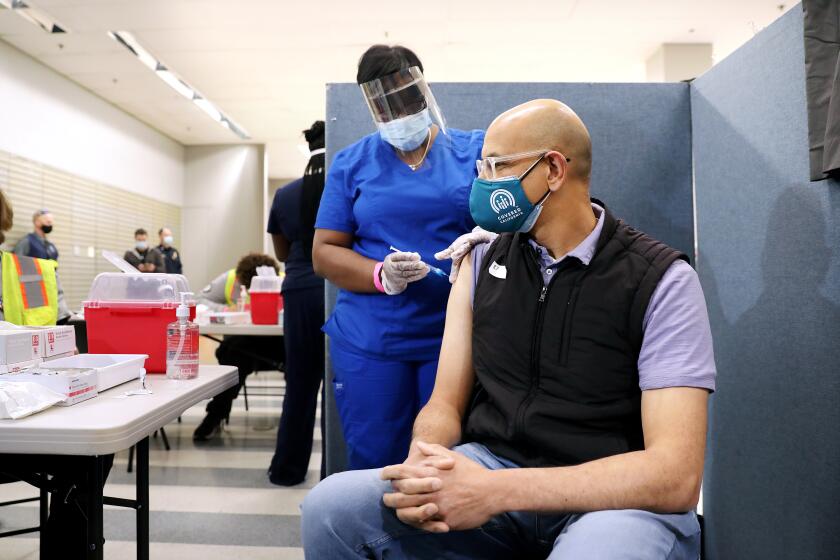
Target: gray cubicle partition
point(641, 157)
point(769, 261)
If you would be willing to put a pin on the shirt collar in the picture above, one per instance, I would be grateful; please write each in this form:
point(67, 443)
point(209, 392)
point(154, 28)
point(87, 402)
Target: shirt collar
point(583, 252)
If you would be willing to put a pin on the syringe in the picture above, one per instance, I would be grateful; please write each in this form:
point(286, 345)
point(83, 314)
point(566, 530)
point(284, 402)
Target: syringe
point(432, 269)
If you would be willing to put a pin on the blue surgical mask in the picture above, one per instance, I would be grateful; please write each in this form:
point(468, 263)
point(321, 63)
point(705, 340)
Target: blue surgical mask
point(501, 205)
point(407, 133)
point(168, 240)
point(141, 245)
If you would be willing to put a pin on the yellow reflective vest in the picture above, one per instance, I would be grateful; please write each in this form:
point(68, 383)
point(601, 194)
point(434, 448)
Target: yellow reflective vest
point(30, 290)
point(230, 285)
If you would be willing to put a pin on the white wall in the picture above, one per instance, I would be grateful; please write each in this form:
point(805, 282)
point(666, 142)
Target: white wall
point(676, 62)
point(47, 118)
point(223, 212)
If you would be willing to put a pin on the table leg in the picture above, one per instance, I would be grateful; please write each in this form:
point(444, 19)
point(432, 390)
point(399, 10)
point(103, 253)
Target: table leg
point(44, 512)
point(94, 506)
point(143, 499)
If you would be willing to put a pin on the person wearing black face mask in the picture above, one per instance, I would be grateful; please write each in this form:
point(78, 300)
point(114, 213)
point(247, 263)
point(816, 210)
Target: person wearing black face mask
point(142, 257)
point(36, 244)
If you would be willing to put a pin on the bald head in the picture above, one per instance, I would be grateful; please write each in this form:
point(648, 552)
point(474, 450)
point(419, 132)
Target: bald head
point(542, 124)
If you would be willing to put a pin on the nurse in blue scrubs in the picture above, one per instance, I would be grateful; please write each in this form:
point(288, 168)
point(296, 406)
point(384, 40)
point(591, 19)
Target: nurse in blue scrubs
point(391, 201)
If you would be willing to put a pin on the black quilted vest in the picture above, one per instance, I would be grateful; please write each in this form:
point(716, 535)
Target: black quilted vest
point(556, 367)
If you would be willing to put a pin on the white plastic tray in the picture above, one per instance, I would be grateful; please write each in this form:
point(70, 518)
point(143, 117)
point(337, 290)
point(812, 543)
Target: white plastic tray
point(113, 369)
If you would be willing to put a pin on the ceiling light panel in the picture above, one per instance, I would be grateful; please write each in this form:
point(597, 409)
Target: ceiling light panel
point(34, 15)
point(183, 88)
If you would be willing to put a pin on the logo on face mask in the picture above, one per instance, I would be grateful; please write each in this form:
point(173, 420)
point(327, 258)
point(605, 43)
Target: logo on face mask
point(501, 199)
point(503, 203)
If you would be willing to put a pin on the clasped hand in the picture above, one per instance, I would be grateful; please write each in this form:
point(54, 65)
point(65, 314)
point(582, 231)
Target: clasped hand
point(439, 490)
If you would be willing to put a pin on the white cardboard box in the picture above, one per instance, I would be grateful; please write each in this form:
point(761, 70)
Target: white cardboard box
point(60, 339)
point(228, 318)
point(20, 346)
point(18, 366)
point(76, 385)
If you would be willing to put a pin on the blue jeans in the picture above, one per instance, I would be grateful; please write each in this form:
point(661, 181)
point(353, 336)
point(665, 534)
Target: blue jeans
point(344, 517)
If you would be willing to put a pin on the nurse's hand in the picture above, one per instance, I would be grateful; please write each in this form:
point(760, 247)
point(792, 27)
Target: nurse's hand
point(462, 246)
point(400, 269)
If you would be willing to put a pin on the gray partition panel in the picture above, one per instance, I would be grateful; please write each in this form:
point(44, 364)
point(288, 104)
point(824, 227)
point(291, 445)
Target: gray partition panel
point(641, 157)
point(769, 261)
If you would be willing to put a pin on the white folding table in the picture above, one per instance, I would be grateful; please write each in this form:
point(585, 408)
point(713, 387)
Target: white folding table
point(240, 330)
point(109, 423)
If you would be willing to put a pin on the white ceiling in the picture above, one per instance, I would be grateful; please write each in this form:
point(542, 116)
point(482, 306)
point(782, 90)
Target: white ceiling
point(265, 62)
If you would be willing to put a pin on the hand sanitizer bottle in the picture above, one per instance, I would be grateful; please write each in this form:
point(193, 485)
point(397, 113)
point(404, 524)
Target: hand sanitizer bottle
point(242, 302)
point(182, 343)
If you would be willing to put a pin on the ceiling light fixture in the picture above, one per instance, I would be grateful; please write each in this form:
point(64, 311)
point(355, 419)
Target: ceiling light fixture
point(128, 41)
point(171, 79)
point(208, 108)
point(175, 82)
point(34, 15)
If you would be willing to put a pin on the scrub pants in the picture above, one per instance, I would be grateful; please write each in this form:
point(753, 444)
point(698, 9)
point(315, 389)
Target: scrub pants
point(378, 400)
point(303, 316)
point(344, 517)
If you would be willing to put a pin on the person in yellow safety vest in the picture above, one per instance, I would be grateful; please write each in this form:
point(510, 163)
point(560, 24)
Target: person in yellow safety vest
point(32, 296)
point(222, 294)
point(30, 290)
point(247, 353)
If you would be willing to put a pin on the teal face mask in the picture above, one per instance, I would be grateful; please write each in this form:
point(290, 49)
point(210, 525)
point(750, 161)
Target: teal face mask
point(501, 205)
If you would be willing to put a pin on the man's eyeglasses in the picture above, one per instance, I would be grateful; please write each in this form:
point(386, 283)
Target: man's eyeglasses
point(495, 167)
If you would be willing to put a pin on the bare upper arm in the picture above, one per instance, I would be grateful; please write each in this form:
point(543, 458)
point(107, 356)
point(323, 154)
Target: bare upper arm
point(455, 375)
point(281, 246)
point(674, 424)
point(332, 237)
point(325, 238)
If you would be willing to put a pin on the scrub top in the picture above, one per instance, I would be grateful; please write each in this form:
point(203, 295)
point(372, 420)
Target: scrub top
point(371, 194)
point(284, 219)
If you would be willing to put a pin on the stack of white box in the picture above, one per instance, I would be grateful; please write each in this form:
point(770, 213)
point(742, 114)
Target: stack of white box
point(23, 349)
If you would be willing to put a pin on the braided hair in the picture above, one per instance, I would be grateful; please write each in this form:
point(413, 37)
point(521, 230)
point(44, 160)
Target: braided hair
point(313, 186)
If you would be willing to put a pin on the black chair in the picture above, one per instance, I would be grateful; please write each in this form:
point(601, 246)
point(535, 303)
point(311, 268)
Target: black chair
point(154, 435)
point(263, 364)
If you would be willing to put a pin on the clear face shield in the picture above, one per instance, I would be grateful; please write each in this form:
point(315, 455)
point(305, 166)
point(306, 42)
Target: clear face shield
point(404, 109)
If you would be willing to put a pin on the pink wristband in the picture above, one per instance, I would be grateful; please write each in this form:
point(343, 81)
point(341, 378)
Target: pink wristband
point(376, 280)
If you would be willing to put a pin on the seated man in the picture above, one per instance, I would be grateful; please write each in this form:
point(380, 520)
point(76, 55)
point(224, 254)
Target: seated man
point(248, 353)
point(573, 383)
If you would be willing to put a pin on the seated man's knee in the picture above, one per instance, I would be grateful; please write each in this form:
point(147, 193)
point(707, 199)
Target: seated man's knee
point(341, 499)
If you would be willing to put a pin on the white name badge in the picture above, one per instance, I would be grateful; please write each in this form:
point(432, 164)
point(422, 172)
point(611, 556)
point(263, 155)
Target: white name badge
point(498, 270)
